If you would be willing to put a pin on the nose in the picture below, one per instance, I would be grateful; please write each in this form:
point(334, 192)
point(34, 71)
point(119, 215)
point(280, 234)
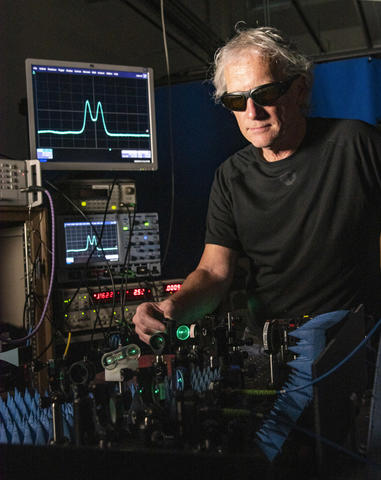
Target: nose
point(253, 110)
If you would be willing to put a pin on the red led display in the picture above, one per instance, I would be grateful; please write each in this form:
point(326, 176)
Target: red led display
point(172, 287)
point(137, 292)
point(103, 295)
point(108, 295)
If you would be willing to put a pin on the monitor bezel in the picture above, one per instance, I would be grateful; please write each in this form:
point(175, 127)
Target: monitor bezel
point(98, 166)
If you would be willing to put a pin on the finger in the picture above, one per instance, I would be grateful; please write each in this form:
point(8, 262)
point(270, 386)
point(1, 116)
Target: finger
point(142, 336)
point(147, 319)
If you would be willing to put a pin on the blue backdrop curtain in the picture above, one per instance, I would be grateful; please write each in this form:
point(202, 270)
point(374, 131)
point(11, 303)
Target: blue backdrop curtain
point(348, 89)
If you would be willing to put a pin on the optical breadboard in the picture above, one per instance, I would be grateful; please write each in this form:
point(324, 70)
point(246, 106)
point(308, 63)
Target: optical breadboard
point(122, 244)
point(15, 177)
point(86, 308)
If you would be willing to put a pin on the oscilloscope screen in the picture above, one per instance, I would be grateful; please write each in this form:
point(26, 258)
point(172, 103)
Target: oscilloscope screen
point(94, 242)
point(91, 117)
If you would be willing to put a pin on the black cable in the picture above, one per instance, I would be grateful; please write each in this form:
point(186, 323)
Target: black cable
point(33, 261)
point(87, 220)
point(33, 276)
point(102, 228)
point(26, 307)
point(171, 147)
point(98, 239)
point(157, 25)
point(131, 223)
point(125, 268)
point(51, 280)
point(87, 267)
point(39, 302)
point(338, 364)
point(68, 306)
point(43, 351)
point(97, 309)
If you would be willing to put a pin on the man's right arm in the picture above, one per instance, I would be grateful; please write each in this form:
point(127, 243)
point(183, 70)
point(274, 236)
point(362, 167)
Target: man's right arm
point(201, 293)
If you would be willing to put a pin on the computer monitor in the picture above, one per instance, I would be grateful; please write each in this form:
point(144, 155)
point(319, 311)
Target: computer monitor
point(85, 116)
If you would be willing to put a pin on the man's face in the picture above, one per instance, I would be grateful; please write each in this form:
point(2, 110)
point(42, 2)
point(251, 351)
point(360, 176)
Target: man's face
point(270, 127)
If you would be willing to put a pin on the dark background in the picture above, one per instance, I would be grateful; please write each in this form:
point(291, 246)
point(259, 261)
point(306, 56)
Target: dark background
point(194, 134)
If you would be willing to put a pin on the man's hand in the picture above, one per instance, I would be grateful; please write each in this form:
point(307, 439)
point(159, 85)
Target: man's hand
point(149, 317)
point(201, 292)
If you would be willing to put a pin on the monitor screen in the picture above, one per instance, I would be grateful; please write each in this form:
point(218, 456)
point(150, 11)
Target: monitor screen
point(91, 117)
point(82, 241)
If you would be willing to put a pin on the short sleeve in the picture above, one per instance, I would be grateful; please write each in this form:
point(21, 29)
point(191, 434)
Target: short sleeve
point(220, 223)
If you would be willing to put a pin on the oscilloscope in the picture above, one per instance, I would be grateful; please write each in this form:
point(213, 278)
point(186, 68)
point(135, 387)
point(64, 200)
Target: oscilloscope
point(99, 240)
point(86, 116)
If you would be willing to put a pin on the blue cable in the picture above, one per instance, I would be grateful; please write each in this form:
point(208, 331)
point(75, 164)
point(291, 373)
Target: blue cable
point(333, 369)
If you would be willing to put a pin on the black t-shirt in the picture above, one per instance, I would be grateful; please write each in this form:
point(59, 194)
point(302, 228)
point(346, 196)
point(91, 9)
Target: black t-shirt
point(309, 224)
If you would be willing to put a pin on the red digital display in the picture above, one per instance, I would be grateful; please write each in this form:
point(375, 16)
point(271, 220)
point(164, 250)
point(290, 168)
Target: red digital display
point(172, 287)
point(130, 294)
point(103, 295)
point(137, 292)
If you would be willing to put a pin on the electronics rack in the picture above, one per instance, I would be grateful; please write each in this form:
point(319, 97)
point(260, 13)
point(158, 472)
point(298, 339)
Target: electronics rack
point(95, 195)
point(81, 310)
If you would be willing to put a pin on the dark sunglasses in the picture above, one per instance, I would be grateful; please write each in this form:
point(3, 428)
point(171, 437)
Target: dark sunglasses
point(264, 95)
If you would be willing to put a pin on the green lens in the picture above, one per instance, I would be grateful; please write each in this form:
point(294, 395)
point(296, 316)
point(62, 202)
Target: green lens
point(157, 342)
point(133, 351)
point(183, 332)
point(109, 360)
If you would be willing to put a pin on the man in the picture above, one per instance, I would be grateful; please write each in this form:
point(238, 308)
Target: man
point(301, 201)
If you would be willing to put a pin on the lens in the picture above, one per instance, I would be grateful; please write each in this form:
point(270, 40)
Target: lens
point(183, 332)
point(133, 351)
point(158, 342)
point(267, 95)
point(81, 373)
point(237, 103)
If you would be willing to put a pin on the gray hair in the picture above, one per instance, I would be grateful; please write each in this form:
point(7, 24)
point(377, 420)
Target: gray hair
point(269, 42)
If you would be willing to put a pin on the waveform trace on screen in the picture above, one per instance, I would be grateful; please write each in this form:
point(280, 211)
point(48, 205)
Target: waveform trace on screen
point(93, 242)
point(94, 118)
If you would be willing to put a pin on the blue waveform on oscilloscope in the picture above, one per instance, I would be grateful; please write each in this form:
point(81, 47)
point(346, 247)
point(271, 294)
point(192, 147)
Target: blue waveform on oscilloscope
point(93, 119)
point(91, 241)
